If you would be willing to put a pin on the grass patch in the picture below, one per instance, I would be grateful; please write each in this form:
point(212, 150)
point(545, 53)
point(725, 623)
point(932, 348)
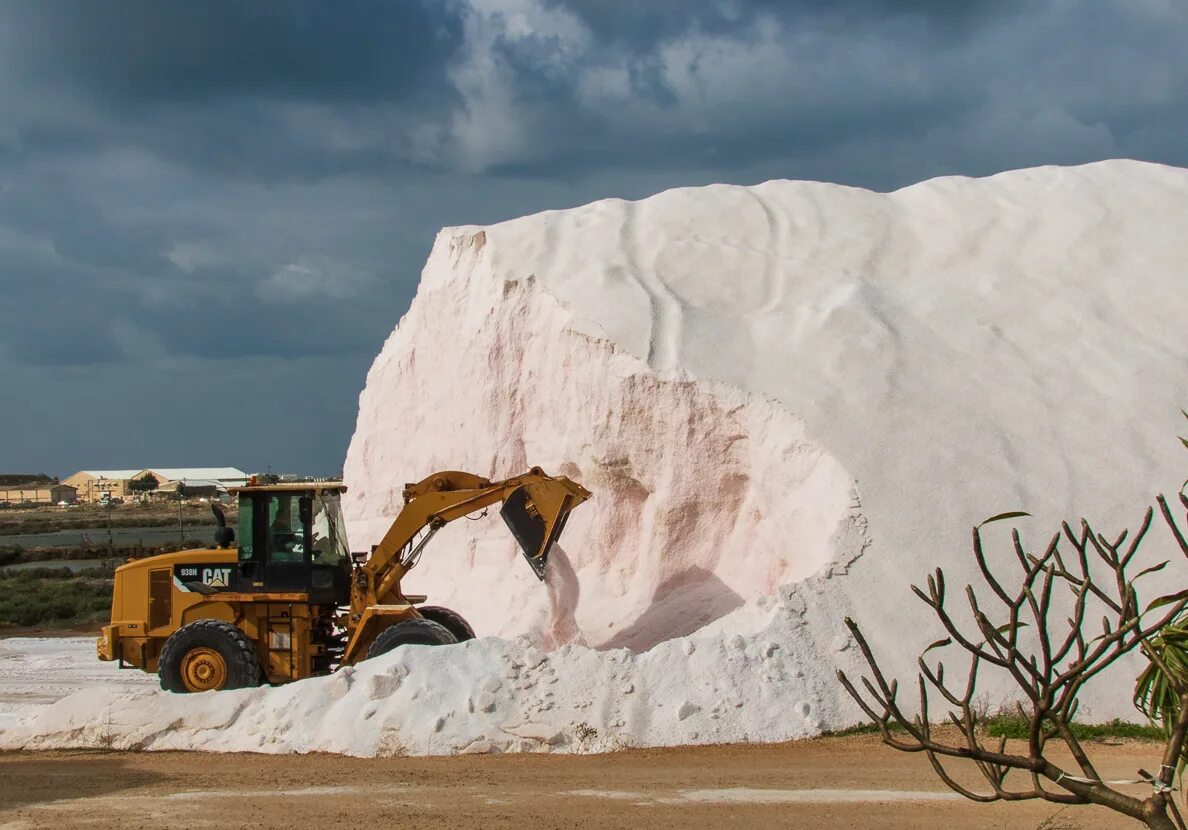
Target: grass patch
point(1014, 726)
point(51, 597)
point(860, 729)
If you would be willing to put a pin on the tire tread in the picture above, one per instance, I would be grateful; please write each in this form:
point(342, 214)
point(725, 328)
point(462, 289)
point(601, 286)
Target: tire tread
point(410, 632)
point(453, 622)
point(243, 670)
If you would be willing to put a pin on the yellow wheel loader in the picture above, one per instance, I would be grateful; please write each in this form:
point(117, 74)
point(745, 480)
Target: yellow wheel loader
point(291, 601)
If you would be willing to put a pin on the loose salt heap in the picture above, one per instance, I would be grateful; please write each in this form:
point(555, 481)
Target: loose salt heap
point(790, 401)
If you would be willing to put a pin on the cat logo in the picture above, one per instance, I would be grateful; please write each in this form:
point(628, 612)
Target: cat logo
point(203, 578)
point(216, 577)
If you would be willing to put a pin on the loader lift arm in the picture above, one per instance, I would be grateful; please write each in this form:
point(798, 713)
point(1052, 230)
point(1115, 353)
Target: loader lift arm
point(535, 508)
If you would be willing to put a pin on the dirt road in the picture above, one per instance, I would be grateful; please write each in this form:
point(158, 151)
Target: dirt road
point(831, 782)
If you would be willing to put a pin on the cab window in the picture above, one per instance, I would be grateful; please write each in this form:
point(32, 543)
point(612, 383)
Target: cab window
point(246, 549)
point(329, 539)
point(286, 530)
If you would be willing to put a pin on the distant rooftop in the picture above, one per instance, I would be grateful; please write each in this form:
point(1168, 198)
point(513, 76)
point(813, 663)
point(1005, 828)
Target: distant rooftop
point(110, 473)
point(194, 483)
point(31, 486)
point(188, 473)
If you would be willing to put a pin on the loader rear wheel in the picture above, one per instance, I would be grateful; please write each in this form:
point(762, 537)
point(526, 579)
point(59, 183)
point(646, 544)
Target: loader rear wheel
point(208, 655)
point(203, 669)
point(410, 633)
point(452, 621)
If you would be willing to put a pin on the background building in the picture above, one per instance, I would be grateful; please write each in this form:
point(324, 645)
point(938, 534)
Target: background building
point(37, 493)
point(194, 488)
point(208, 476)
point(91, 484)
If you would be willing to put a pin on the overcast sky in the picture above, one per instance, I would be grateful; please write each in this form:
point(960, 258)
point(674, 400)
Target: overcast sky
point(213, 213)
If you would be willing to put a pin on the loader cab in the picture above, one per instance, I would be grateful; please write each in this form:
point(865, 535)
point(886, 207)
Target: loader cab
point(292, 539)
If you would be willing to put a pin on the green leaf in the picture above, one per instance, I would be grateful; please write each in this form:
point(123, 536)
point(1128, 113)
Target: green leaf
point(1167, 599)
point(1149, 570)
point(1014, 514)
point(1156, 692)
point(1007, 627)
point(938, 644)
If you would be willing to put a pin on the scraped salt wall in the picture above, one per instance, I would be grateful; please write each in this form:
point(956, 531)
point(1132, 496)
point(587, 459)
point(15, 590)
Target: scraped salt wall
point(959, 348)
point(706, 499)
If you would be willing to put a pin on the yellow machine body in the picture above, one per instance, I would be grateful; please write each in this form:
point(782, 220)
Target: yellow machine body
point(148, 606)
point(294, 602)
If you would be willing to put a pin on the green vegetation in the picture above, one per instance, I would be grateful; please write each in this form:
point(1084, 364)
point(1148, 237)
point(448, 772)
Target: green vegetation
point(1158, 690)
point(860, 729)
point(53, 597)
point(47, 520)
point(1156, 694)
point(15, 479)
point(15, 554)
point(145, 484)
point(1015, 727)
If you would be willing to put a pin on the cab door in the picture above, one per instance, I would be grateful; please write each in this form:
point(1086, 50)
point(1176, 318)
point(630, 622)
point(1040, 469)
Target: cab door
point(274, 542)
point(286, 542)
point(253, 545)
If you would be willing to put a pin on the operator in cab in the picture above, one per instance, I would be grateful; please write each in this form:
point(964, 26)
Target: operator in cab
point(285, 542)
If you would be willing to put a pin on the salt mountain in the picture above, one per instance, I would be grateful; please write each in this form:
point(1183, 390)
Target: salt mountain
point(790, 400)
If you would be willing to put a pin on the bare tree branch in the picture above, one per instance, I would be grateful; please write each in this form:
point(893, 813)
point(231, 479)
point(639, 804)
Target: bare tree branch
point(1049, 667)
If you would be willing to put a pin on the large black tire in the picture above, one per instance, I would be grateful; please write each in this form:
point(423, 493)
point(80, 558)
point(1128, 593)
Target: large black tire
point(410, 633)
point(181, 657)
point(452, 621)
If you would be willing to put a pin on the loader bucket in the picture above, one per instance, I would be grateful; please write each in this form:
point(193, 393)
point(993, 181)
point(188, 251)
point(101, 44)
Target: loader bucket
point(536, 515)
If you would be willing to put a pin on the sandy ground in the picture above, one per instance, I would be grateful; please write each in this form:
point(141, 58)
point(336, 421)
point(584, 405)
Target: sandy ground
point(831, 782)
point(834, 782)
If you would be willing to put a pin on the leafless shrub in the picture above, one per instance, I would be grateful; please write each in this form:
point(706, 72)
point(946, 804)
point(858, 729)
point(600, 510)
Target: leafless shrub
point(1013, 631)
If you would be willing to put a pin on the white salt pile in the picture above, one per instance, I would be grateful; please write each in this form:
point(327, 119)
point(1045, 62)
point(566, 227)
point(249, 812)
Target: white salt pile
point(790, 401)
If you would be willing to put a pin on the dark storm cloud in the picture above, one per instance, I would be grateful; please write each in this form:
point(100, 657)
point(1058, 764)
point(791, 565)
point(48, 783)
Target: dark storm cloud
point(78, 228)
point(304, 91)
point(737, 83)
point(249, 189)
point(642, 25)
point(281, 90)
point(133, 50)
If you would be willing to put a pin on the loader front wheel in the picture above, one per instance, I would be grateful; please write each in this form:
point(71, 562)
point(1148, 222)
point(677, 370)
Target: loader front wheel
point(208, 655)
point(410, 633)
point(453, 622)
